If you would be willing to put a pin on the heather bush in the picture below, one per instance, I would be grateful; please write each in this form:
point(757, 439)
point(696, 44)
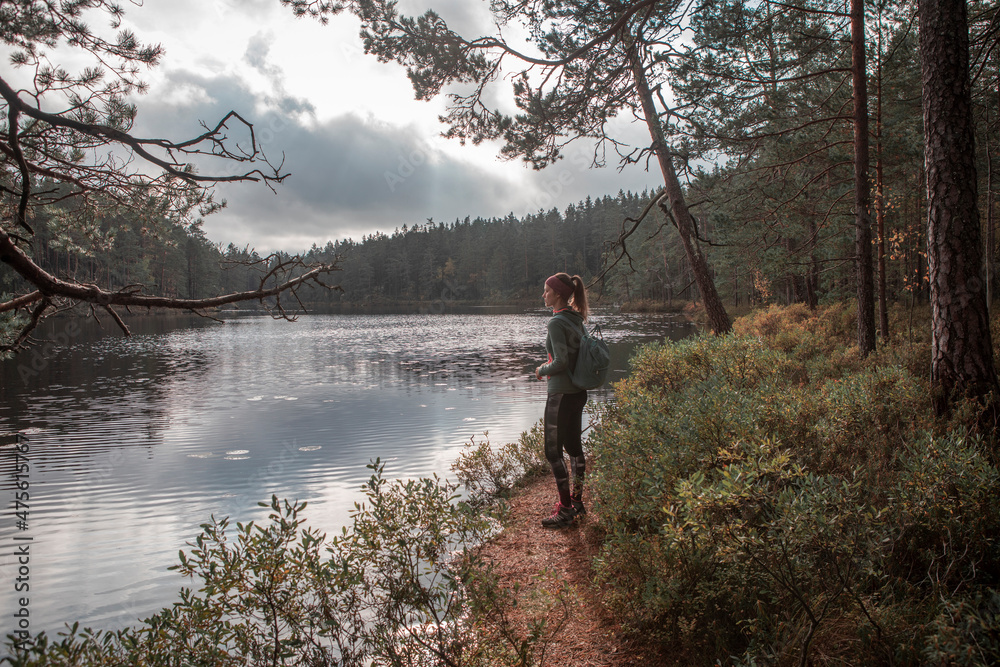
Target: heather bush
point(965, 632)
point(769, 497)
point(489, 472)
point(402, 586)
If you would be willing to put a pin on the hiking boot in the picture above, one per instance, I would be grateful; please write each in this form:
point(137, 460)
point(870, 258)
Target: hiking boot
point(560, 518)
point(578, 507)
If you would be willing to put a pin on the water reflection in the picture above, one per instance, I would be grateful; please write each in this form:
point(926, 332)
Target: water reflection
point(136, 442)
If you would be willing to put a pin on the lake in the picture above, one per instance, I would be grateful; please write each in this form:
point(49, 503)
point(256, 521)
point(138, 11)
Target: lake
point(135, 442)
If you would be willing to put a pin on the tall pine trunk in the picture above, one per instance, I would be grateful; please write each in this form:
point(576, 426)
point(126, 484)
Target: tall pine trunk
point(883, 306)
point(718, 318)
point(961, 346)
point(862, 188)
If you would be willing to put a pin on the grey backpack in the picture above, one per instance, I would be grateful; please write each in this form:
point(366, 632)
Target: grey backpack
point(592, 361)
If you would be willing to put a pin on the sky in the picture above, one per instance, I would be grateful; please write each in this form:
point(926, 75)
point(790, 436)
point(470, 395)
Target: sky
point(363, 155)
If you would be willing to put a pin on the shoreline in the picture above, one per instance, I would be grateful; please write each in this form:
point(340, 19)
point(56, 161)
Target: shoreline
point(685, 309)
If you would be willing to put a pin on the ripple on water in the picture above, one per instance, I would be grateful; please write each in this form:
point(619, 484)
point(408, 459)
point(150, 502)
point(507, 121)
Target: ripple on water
point(134, 442)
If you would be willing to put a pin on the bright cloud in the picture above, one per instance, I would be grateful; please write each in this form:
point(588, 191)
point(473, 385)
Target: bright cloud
point(362, 153)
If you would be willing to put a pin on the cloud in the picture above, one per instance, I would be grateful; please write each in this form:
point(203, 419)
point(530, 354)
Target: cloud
point(361, 154)
point(347, 176)
point(350, 175)
point(256, 55)
point(258, 49)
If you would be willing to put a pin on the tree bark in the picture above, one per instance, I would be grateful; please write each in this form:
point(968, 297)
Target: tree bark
point(812, 275)
point(989, 216)
point(883, 306)
point(961, 345)
point(718, 318)
point(862, 188)
point(990, 207)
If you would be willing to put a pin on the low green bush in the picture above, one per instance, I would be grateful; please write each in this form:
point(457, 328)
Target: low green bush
point(965, 632)
point(769, 497)
point(490, 473)
point(401, 587)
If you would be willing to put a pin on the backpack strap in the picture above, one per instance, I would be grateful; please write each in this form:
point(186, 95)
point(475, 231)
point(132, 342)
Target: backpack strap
point(566, 318)
point(574, 355)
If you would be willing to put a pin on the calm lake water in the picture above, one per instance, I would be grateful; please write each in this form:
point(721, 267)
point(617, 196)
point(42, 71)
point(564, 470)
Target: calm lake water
point(135, 442)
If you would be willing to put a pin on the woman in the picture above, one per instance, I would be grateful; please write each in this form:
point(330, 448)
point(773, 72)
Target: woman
point(567, 297)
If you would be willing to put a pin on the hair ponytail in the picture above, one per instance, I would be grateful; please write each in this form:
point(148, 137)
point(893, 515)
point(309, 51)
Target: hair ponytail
point(580, 297)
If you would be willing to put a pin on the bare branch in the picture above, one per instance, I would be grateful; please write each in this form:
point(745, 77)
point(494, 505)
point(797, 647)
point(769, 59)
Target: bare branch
point(807, 10)
point(80, 171)
point(110, 134)
point(21, 301)
point(620, 242)
point(51, 286)
point(22, 338)
point(118, 320)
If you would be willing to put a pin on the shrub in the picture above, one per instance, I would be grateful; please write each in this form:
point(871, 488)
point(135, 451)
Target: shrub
point(771, 497)
point(965, 632)
point(862, 419)
point(402, 586)
point(489, 473)
point(943, 515)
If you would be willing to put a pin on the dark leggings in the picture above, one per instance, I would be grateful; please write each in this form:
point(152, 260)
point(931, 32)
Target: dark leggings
point(563, 427)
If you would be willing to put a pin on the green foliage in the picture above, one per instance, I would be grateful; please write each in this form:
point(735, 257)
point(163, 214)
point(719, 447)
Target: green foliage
point(490, 473)
point(765, 87)
point(966, 632)
point(769, 497)
point(402, 587)
point(10, 325)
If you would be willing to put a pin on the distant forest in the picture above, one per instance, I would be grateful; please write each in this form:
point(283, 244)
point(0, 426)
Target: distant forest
point(495, 260)
point(483, 260)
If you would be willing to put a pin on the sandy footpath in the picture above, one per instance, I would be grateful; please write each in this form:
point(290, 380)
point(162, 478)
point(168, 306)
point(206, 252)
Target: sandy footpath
point(546, 561)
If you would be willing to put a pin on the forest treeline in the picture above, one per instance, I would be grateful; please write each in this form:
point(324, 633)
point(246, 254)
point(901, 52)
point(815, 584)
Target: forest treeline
point(493, 260)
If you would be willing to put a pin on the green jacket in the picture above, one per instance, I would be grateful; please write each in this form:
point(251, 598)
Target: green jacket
point(562, 343)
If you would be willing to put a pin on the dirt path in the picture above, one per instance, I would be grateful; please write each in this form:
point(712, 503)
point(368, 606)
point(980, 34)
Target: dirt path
point(544, 561)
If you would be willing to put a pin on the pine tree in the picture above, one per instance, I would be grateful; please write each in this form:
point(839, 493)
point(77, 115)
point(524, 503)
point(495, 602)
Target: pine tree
point(63, 136)
point(596, 60)
point(776, 76)
point(961, 348)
